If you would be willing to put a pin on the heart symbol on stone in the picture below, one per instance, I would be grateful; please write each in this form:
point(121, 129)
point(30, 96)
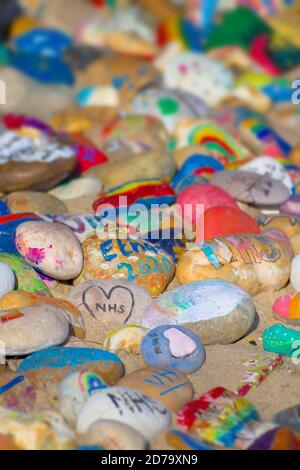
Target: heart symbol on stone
point(95, 299)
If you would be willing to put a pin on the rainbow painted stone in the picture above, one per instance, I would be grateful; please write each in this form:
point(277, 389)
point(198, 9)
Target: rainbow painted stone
point(204, 418)
point(197, 166)
point(217, 142)
point(146, 192)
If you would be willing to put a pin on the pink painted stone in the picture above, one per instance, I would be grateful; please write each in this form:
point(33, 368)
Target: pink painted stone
point(206, 194)
point(281, 306)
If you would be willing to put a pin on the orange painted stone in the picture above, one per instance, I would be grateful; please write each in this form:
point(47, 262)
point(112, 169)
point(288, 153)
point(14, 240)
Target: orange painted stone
point(220, 221)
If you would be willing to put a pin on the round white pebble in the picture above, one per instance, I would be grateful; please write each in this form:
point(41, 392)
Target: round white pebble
point(7, 279)
point(295, 273)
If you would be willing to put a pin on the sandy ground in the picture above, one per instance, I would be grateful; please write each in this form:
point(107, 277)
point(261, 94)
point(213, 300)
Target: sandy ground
point(224, 363)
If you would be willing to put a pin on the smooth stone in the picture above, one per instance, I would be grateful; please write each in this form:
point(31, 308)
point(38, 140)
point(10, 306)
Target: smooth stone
point(26, 277)
point(173, 346)
point(16, 392)
point(147, 165)
point(290, 225)
point(144, 414)
point(204, 195)
point(47, 368)
point(209, 79)
point(42, 430)
point(271, 167)
point(7, 279)
point(128, 338)
point(8, 225)
point(254, 262)
point(108, 304)
point(196, 166)
point(40, 164)
point(129, 135)
point(221, 221)
point(252, 188)
point(217, 311)
point(295, 273)
point(51, 248)
point(282, 309)
point(113, 435)
point(74, 390)
point(292, 206)
point(79, 187)
point(126, 260)
point(169, 386)
point(30, 329)
point(282, 340)
point(289, 418)
point(19, 299)
point(168, 105)
point(34, 201)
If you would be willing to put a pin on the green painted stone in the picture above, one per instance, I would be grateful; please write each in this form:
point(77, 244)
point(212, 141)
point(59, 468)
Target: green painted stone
point(4, 59)
point(27, 278)
point(238, 28)
point(282, 340)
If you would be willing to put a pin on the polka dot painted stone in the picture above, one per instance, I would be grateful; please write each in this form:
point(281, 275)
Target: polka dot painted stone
point(168, 105)
point(167, 385)
point(282, 340)
point(217, 311)
point(126, 260)
point(173, 346)
point(52, 248)
point(144, 414)
point(209, 79)
point(30, 329)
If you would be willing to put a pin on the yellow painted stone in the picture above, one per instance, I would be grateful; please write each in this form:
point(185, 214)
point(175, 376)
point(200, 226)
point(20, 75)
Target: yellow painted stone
point(22, 25)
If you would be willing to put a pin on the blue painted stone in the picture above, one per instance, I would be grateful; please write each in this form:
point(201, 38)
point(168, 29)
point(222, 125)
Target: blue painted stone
point(196, 164)
point(66, 357)
point(8, 225)
point(169, 243)
point(90, 448)
point(45, 42)
point(188, 180)
point(4, 210)
point(44, 69)
point(173, 346)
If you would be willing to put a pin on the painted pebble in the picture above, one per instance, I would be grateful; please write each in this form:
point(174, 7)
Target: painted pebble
point(112, 435)
point(287, 308)
point(109, 304)
point(173, 346)
point(252, 188)
point(30, 329)
point(128, 338)
point(61, 361)
point(203, 195)
point(80, 187)
point(74, 390)
point(26, 277)
point(126, 260)
point(7, 279)
point(167, 385)
point(253, 262)
point(270, 166)
point(295, 273)
point(144, 414)
point(282, 340)
point(218, 311)
point(220, 221)
point(52, 248)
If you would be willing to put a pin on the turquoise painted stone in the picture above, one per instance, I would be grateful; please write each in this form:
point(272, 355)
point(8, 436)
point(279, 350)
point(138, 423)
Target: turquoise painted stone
point(282, 340)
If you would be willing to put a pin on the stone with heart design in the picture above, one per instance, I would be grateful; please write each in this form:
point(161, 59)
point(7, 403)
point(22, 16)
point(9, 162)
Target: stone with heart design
point(109, 304)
